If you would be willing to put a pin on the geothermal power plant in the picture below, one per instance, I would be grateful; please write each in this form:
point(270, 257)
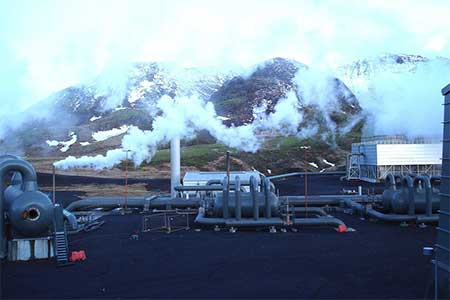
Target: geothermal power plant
point(401, 186)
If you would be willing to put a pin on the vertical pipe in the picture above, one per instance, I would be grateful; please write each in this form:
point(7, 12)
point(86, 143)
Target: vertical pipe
point(267, 198)
point(54, 184)
point(426, 184)
point(126, 179)
point(228, 169)
point(407, 183)
point(254, 195)
point(225, 197)
point(175, 165)
point(306, 181)
point(237, 193)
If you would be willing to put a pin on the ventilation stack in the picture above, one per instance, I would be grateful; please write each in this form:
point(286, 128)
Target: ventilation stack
point(443, 235)
point(175, 165)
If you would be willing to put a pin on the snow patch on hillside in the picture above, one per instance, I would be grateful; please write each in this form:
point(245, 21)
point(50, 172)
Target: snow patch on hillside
point(104, 135)
point(65, 145)
point(314, 165)
point(328, 163)
point(95, 118)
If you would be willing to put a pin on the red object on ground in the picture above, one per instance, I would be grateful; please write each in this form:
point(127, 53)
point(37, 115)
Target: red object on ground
point(77, 255)
point(342, 228)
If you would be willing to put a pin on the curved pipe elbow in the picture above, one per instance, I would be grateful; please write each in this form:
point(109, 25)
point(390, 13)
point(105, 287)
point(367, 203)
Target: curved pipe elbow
point(25, 168)
point(390, 181)
point(407, 182)
point(71, 219)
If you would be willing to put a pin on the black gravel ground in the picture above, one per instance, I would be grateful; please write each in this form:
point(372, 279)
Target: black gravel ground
point(376, 261)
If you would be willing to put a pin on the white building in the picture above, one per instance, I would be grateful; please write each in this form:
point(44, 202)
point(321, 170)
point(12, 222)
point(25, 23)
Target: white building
point(375, 157)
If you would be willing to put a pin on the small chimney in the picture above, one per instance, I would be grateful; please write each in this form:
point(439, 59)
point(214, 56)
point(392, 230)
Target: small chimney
point(174, 165)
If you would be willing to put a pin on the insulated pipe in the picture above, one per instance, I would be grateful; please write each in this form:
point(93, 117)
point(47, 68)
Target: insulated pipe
point(303, 173)
point(327, 199)
point(428, 219)
point(268, 211)
point(425, 180)
point(316, 210)
point(407, 182)
point(135, 202)
point(390, 181)
point(29, 184)
point(253, 193)
point(175, 165)
point(237, 193)
point(201, 219)
point(202, 188)
point(214, 181)
point(228, 169)
point(323, 221)
point(226, 194)
point(71, 219)
point(378, 215)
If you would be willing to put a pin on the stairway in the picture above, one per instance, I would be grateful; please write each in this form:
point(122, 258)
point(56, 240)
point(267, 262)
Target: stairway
point(61, 248)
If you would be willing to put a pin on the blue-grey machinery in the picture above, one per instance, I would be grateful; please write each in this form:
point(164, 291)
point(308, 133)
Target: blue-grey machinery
point(30, 224)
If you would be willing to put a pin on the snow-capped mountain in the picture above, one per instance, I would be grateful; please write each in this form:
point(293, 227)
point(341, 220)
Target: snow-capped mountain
point(321, 98)
point(138, 86)
point(359, 75)
point(115, 100)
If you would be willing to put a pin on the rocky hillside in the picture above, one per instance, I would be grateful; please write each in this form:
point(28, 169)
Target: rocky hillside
point(241, 98)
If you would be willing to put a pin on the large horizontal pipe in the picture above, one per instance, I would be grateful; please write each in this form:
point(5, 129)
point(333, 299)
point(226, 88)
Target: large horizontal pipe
point(326, 199)
point(323, 221)
point(314, 210)
point(390, 217)
point(133, 202)
point(307, 173)
point(202, 188)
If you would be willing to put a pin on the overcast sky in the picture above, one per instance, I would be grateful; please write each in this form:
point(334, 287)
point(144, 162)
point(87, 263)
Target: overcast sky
point(48, 45)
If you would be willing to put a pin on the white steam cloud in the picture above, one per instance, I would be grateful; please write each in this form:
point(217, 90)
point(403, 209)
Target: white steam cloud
point(403, 98)
point(183, 117)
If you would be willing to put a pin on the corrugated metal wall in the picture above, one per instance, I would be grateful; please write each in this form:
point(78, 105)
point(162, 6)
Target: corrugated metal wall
point(399, 154)
point(369, 151)
point(443, 230)
point(408, 154)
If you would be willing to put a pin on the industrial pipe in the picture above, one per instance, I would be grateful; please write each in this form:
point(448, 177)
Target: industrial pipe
point(389, 217)
point(70, 218)
point(425, 180)
point(202, 188)
point(390, 182)
point(316, 210)
point(266, 187)
point(237, 193)
point(253, 193)
point(226, 194)
point(134, 202)
point(29, 184)
point(323, 221)
point(407, 182)
point(201, 219)
point(322, 200)
point(303, 173)
point(175, 165)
